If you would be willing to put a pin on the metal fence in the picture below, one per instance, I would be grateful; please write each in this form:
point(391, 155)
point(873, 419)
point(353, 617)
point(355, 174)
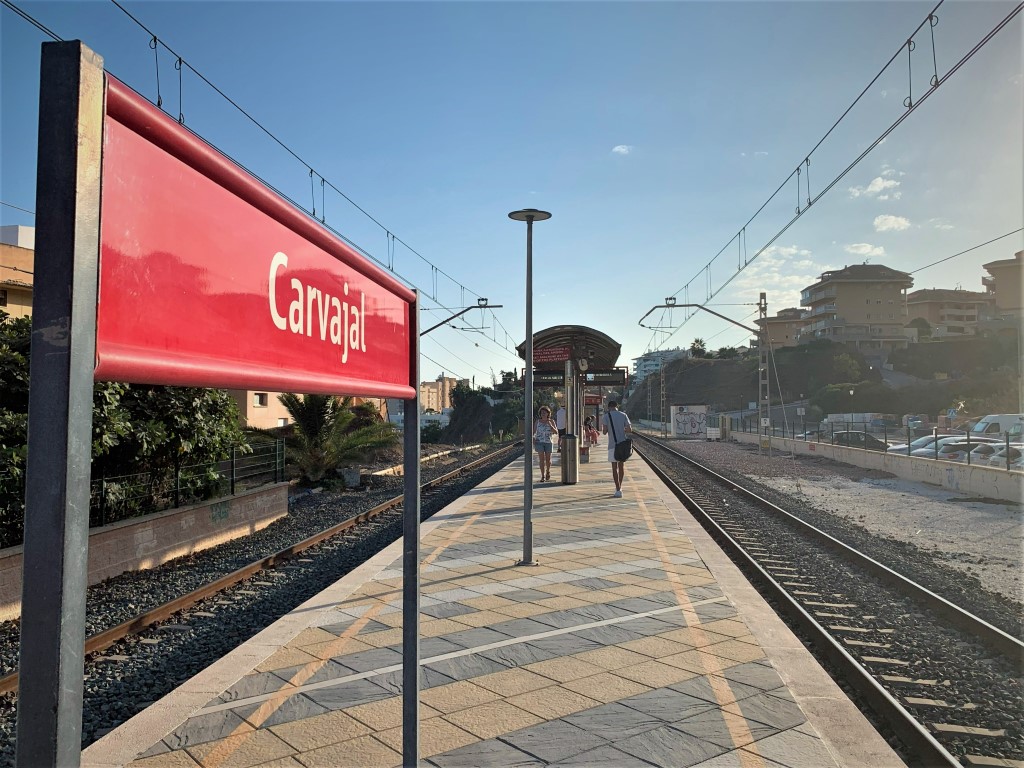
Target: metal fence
point(822, 432)
point(126, 496)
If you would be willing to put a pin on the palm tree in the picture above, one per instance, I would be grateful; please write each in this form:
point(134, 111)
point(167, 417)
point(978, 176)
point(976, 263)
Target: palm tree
point(698, 348)
point(325, 436)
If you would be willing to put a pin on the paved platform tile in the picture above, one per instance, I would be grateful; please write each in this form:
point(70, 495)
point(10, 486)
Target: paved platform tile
point(456, 696)
point(241, 751)
point(320, 731)
point(487, 721)
point(552, 702)
point(437, 735)
point(605, 687)
point(361, 752)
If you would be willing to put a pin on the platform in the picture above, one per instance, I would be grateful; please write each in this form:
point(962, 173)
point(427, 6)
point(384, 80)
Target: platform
point(634, 642)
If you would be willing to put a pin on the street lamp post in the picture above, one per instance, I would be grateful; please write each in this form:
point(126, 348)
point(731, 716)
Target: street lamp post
point(529, 215)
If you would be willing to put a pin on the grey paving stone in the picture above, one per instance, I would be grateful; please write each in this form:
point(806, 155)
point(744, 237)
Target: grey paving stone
point(429, 678)
point(520, 627)
point(596, 583)
point(526, 595)
point(700, 687)
point(203, 728)
point(637, 604)
point(517, 655)
point(157, 749)
point(465, 667)
point(647, 626)
point(663, 598)
point(674, 619)
point(598, 612)
point(666, 746)
point(554, 740)
point(489, 752)
point(667, 704)
point(474, 638)
point(365, 661)
point(564, 645)
point(293, 708)
point(561, 619)
point(612, 634)
point(614, 721)
point(705, 592)
point(772, 710)
point(710, 727)
point(329, 670)
point(757, 675)
point(252, 685)
point(715, 611)
point(348, 694)
point(340, 627)
point(794, 748)
point(655, 574)
point(447, 610)
point(603, 757)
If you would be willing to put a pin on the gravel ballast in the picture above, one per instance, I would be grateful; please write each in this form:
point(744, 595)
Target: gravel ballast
point(969, 551)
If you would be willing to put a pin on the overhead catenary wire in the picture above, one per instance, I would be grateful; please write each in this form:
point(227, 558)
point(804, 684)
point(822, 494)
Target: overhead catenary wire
point(33, 21)
point(972, 248)
point(909, 110)
point(17, 207)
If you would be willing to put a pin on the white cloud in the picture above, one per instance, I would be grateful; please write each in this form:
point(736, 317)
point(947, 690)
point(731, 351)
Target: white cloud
point(760, 154)
point(782, 271)
point(864, 249)
point(891, 196)
point(887, 223)
point(877, 186)
point(941, 224)
point(622, 149)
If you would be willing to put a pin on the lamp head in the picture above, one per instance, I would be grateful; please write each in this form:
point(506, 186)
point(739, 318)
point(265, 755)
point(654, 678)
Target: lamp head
point(529, 214)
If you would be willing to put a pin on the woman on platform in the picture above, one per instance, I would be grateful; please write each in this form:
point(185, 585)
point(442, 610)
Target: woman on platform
point(542, 433)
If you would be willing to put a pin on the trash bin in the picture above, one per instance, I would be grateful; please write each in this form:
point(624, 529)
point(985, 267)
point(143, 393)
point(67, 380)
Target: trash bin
point(570, 459)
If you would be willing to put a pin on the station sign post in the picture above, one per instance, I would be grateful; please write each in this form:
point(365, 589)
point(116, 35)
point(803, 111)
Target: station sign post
point(160, 261)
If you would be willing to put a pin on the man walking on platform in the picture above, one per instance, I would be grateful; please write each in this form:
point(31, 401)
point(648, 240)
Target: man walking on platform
point(616, 423)
point(560, 425)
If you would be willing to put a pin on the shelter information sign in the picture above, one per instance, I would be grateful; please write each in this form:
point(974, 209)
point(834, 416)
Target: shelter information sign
point(551, 355)
point(207, 278)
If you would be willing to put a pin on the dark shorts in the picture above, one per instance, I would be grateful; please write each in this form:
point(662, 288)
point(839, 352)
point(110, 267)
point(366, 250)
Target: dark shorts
point(561, 432)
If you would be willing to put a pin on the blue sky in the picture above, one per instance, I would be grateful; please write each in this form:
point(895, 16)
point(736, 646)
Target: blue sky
point(652, 131)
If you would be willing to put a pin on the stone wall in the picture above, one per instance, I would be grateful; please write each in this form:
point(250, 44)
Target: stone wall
point(146, 542)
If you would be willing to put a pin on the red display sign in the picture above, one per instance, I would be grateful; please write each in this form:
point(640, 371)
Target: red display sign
point(592, 399)
point(208, 278)
point(551, 355)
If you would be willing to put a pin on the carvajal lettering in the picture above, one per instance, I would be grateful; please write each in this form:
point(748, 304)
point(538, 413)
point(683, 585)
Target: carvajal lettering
point(314, 313)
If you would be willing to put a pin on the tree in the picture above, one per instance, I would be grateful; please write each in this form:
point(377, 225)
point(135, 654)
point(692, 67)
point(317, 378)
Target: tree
point(698, 348)
point(727, 353)
point(327, 433)
point(924, 328)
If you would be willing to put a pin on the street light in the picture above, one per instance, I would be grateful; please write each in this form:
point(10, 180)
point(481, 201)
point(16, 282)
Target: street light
point(529, 215)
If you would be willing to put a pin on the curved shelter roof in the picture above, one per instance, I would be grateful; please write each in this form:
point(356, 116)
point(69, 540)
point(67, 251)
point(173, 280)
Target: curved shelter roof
point(600, 349)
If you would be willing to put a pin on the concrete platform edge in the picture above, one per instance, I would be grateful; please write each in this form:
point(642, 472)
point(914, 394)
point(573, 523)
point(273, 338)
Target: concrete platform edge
point(846, 733)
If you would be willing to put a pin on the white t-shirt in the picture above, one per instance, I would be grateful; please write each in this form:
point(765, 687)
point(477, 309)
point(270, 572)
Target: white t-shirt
point(560, 418)
point(621, 422)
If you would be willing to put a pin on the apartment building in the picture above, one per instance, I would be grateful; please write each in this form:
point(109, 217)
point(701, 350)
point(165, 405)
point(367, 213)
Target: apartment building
point(1004, 282)
point(652, 362)
point(784, 328)
point(863, 306)
point(437, 395)
point(949, 312)
point(17, 255)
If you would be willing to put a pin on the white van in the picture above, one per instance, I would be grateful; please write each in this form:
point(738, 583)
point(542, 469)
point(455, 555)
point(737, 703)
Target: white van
point(997, 424)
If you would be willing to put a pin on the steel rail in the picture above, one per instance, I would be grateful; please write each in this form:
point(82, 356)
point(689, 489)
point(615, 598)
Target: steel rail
point(909, 730)
point(103, 640)
point(998, 640)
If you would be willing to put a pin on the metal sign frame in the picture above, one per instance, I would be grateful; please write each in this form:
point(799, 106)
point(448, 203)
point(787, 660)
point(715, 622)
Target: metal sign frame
point(63, 364)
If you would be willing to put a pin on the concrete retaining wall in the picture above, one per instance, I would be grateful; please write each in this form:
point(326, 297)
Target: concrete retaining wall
point(989, 482)
point(146, 542)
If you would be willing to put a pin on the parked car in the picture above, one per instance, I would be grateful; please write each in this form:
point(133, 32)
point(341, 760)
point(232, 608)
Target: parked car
point(929, 452)
point(998, 457)
point(981, 452)
point(859, 440)
point(921, 442)
point(955, 451)
point(1000, 423)
point(810, 435)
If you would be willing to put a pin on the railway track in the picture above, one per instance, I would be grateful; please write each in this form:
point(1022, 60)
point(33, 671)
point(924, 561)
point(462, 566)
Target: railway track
point(947, 683)
point(107, 638)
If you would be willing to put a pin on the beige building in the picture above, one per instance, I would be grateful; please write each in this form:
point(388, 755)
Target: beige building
point(261, 410)
point(949, 312)
point(863, 305)
point(784, 328)
point(1004, 282)
point(437, 395)
point(16, 266)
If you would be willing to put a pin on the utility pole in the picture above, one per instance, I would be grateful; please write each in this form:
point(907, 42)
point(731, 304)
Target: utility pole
point(763, 397)
point(664, 399)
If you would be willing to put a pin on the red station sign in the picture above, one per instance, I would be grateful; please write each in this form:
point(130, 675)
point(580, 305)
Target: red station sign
point(208, 278)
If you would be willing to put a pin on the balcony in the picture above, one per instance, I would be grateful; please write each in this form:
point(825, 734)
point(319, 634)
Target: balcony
point(807, 299)
point(820, 310)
